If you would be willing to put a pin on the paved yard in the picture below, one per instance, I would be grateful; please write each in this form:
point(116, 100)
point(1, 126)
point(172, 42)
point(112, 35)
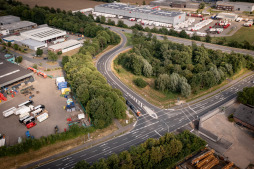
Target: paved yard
point(48, 96)
point(242, 150)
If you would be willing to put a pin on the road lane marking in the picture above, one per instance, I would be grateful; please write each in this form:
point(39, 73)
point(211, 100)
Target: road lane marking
point(157, 133)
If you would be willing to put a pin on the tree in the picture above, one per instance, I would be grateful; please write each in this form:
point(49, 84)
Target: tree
point(144, 2)
point(246, 96)
point(162, 82)
point(52, 56)
point(185, 89)
point(16, 46)
point(140, 82)
point(9, 44)
point(103, 19)
point(35, 66)
point(19, 59)
point(147, 69)
point(202, 5)
point(39, 52)
point(208, 38)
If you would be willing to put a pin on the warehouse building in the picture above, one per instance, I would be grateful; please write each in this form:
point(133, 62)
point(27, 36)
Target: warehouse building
point(12, 73)
point(141, 13)
point(4, 20)
point(44, 34)
point(245, 116)
point(32, 44)
point(18, 26)
point(65, 46)
point(235, 6)
point(227, 16)
point(14, 38)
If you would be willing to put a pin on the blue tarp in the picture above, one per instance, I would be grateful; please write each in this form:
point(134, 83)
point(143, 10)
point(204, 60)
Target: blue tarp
point(62, 85)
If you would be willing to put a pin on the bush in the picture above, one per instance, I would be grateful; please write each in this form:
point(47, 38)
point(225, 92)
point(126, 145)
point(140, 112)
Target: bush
point(231, 118)
point(59, 53)
point(16, 47)
point(19, 59)
point(140, 82)
point(35, 66)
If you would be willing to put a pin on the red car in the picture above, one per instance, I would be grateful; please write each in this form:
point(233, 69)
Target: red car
point(30, 125)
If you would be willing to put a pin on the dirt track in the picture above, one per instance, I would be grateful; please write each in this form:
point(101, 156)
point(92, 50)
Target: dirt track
point(63, 4)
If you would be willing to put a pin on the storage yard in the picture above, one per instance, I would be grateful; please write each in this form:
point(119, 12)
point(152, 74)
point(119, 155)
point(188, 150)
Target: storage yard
point(50, 106)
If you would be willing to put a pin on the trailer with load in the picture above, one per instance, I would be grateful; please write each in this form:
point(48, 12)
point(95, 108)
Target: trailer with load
point(42, 117)
point(9, 112)
point(26, 103)
point(30, 119)
point(23, 109)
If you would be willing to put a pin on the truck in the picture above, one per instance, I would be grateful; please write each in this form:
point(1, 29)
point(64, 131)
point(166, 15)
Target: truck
point(133, 108)
point(42, 117)
point(21, 120)
point(29, 120)
point(26, 103)
point(9, 112)
point(248, 24)
point(36, 112)
point(22, 110)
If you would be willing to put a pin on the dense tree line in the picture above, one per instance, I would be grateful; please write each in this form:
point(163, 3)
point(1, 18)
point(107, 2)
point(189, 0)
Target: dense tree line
point(102, 103)
point(241, 0)
point(246, 96)
point(164, 152)
point(179, 68)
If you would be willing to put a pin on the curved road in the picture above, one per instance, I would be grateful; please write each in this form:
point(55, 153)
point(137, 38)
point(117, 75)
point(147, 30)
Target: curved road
point(146, 126)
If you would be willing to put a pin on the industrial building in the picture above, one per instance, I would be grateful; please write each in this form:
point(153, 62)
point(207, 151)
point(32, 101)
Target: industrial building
point(18, 26)
point(227, 16)
point(32, 44)
point(132, 11)
point(12, 73)
point(14, 38)
point(44, 34)
point(235, 6)
point(245, 116)
point(175, 3)
point(65, 46)
point(4, 20)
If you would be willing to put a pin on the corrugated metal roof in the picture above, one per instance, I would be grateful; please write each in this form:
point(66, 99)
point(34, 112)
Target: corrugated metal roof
point(31, 42)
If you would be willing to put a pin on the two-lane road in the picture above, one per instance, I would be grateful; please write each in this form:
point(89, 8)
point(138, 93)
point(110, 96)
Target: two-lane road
point(146, 126)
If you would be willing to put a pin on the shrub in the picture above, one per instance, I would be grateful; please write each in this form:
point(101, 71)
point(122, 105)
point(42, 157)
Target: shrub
point(140, 82)
point(35, 66)
point(19, 59)
point(231, 118)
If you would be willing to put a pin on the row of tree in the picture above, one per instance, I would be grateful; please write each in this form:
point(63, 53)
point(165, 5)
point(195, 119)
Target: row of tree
point(179, 68)
point(246, 96)
point(101, 102)
point(164, 152)
point(244, 45)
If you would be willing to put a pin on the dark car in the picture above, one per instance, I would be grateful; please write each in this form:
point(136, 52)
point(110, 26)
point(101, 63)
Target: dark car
point(46, 58)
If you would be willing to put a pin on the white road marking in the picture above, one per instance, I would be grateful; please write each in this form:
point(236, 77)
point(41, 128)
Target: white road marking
point(157, 133)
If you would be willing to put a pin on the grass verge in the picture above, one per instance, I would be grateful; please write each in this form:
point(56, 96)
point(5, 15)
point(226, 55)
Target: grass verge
point(244, 33)
point(129, 41)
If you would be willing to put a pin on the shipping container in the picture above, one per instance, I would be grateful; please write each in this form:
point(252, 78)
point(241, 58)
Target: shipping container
point(42, 117)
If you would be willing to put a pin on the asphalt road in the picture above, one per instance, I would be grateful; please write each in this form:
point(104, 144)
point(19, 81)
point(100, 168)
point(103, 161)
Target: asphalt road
point(146, 126)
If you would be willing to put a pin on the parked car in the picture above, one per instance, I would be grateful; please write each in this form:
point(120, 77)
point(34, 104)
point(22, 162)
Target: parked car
point(30, 125)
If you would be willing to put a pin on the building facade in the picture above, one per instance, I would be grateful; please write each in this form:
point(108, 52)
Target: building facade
point(65, 46)
point(131, 11)
point(235, 6)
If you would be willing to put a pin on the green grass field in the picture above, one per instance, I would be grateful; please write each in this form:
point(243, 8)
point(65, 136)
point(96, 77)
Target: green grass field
point(129, 42)
point(244, 33)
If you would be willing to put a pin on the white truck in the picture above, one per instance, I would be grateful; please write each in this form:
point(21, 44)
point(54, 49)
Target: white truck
point(23, 109)
point(9, 112)
point(42, 117)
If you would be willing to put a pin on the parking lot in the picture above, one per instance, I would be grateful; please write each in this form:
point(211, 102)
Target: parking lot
point(50, 97)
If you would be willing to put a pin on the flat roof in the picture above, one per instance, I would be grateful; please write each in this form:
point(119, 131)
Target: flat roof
point(130, 8)
point(245, 114)
point(13, 38)
point(18, 25)
point(31, 42)
point(65, 44)
point(43, 33)
point(234, 3)
point(9, 19)
point(10, 73)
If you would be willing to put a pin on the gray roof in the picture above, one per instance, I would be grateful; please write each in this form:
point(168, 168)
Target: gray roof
point(10, 73)
point(133, 8)
point(31, 42)
point(8, 19)
point(18, 25)
point(245, 114)
point(234, 3)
